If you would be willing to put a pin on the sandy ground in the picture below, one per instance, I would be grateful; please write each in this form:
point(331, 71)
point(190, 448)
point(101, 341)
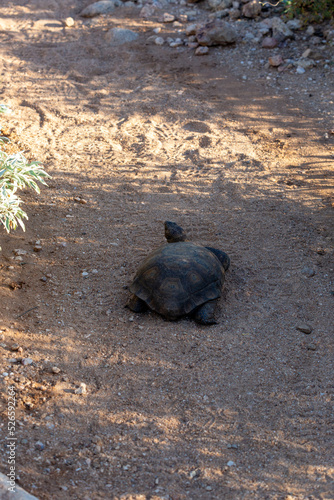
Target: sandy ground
point(135, 135)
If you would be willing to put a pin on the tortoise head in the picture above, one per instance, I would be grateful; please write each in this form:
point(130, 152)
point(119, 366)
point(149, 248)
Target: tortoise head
point(174, 233)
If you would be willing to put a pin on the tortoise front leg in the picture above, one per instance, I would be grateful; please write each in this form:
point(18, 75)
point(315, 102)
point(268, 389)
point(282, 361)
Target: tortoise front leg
point(205, 314)
point(136, 304)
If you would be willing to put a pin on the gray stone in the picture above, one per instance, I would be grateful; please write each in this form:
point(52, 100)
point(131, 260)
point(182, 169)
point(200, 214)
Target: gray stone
point(217, 32)
point(269, 42)
point(280, 30)
point(98, 8)
point(17, 494)
point(191, 29)
point(39, 446)
point(219, 4)
point(303, 327)
point(148, 11)
point(305, 63)
point(118, 36)
point(201, 51)
point(294, 24)
point(251, 9)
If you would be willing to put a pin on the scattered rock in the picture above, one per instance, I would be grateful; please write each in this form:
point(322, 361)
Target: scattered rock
point(276, 60)
point(26, 361)
point(294, 24)
point(280, 30)
point(217, 5)
point(16, 347)
point(159, 40)
point(39, 446)
point(167, 18)
point(251, 9)
point(305, 63)
point(216, 32)
point(230, 463)
point(119, 36)
point(191, 29)
point(55, 369)
point(305, 328)
point(312, 347)
point(148, 11)
point(307, 271)
point(69, 22)
point(98, 8)
point(176, 43)
point(201, 51)
point(269, 42)
point(235, 14)
point(19, 251)
point(310, 31)
point(82, 389)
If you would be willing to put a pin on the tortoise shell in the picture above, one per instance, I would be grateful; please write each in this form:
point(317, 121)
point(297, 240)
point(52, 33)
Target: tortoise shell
point(177, 278)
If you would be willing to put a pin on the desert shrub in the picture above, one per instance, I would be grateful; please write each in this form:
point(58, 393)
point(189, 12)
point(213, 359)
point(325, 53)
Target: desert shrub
point(16, 173)
point(310, 10)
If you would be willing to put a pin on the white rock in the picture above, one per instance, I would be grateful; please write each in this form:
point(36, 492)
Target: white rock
point(82, 389)
point(98, 8)
point(119, 36)
point(159, 41)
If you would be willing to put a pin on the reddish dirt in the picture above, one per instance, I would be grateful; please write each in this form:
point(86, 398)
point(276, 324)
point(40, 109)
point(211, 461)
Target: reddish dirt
point(133, 136)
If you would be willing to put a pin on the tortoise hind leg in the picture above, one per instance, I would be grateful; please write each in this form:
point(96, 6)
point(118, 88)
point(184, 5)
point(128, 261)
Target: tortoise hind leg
point(222, 256)
point(136, 304)
point(205, 314)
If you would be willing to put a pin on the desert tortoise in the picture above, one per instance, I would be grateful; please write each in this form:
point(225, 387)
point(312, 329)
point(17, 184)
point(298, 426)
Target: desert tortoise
point(180, 278)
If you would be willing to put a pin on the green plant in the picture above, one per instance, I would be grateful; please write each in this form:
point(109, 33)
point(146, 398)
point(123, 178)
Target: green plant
point(16, 173)
point(310, 10)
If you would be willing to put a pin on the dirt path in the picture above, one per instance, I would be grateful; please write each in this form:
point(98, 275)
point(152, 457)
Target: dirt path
point(133, 137)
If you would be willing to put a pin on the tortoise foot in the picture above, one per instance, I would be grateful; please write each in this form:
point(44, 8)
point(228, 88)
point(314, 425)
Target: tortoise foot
point(205, 314)
point(136, 304)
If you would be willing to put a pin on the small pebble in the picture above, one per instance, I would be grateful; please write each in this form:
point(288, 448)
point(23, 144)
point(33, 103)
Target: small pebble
point(201, 51)
point(311, 347)
point(39, 446)
point(276, 60)
point(26, 361)
point(69, 22)
point(16, 347)
point(82, 389)
point(304, 328)
point(19, 251)
point(157, 30)
point(308, 271)
point(55, 369)
point(159, 41)
point(230, 463)
point(168, 18)
point(300, 70)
